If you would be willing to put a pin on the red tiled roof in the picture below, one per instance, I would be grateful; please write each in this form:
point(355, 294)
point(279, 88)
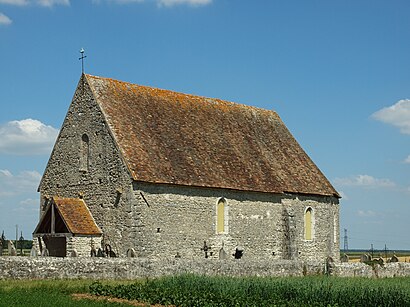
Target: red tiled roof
point(76, 216)
point(175, 138)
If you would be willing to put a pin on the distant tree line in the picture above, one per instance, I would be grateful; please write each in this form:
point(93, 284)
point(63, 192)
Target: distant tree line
point(21, 243)
point(3, 239)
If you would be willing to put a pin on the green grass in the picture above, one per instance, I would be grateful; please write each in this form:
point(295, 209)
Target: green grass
point(193, 290)
point(47, 293)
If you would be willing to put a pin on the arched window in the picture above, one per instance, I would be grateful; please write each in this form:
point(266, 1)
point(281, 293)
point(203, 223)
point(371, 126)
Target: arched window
point(308, 224)
point(84, 153)
point(221, 216)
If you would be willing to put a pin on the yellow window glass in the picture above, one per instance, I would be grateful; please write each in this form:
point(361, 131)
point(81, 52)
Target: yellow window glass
point(308, 224)
point(220, 212)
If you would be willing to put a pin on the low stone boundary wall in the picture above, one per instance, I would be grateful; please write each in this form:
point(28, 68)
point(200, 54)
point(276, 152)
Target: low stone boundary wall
point(132, 268)
point(394, 269)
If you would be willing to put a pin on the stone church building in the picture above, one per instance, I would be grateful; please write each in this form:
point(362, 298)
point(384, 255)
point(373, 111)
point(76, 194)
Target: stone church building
point(161, 174)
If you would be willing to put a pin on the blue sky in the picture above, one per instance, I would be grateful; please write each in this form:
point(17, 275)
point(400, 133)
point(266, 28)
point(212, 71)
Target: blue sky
point(337, 72)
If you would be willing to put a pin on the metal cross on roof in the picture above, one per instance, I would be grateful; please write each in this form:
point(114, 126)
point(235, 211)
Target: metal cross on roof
point(82, 59)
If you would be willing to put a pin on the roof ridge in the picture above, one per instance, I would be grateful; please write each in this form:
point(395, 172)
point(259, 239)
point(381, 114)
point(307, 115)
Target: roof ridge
point(209, 100)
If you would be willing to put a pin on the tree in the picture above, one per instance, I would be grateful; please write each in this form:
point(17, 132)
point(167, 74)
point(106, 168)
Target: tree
point(3, 239)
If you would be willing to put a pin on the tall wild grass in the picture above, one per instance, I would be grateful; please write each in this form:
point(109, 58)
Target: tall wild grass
point(193, 290)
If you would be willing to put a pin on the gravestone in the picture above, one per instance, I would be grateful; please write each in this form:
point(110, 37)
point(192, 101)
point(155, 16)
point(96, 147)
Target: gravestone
point(222, 254)
point(12, 249)
point(45, 252)
point(344, 258)
point(131, 253)
point(93, 252)
point(100, 253)
point(365, 258)
point(379, 261)
point(109, 252)
point(34, 252)
point(394, 258)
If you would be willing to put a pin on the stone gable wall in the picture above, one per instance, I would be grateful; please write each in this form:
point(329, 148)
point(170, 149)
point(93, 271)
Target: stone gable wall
point(106, 185)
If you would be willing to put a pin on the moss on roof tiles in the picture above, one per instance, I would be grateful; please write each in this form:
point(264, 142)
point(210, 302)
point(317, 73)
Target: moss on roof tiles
point(76, 216)
point(176, 138)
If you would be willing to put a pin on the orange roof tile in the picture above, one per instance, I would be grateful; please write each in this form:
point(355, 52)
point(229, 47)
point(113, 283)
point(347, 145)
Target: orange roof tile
point(76, 216)
point(175, 138)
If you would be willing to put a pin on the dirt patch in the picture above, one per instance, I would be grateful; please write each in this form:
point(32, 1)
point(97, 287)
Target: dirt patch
point(86, 296)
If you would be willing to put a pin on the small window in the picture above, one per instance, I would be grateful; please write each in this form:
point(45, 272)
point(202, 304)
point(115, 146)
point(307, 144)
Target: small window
point(308, 224)
point(118, 194)
point(221, 216)
point(84, 153)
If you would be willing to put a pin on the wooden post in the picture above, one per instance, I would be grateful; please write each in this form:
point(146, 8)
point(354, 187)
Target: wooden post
point(53, 220)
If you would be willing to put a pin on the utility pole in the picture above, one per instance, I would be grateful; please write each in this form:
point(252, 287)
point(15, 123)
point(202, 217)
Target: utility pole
point(371, 250)
point(17, 234)
point(385, 252)
point(345, 244)
point(21, 243)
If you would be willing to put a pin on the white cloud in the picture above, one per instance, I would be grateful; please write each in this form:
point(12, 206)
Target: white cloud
point(22, 183)
point(46, 3)
point(30, 202)
point(343, 195)
point(19, 201)
point(397, 115)
point(26, 137)
point(50, 3)
point(366, 213)
point(169, 3)
point(15, 2)
point(121, 1)
point(161, 3)
point(365, 181)
point(4, 20)
point(407, 160)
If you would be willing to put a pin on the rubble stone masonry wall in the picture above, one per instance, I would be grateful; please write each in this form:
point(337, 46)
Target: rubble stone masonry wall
point(131, 268)
point(177, 220)
point(93, 171)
